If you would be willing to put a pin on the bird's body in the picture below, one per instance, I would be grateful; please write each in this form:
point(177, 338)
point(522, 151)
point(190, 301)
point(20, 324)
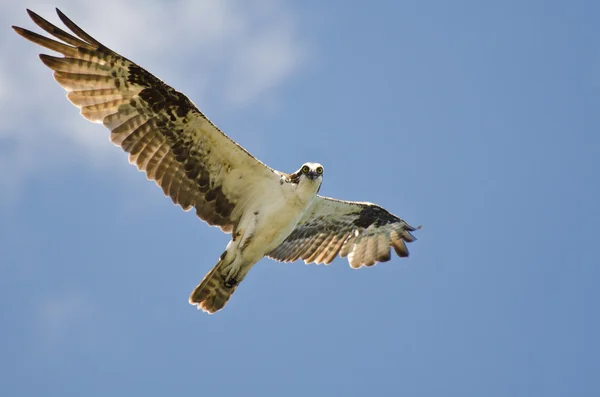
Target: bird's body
point(269, 213)
point(271, 216)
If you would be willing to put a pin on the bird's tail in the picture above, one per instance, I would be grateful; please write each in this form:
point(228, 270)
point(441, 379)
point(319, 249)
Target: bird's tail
point(213, 292)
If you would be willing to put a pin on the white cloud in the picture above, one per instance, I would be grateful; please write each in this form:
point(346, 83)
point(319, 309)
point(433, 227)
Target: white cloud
point(262, 64)
point(230, 52)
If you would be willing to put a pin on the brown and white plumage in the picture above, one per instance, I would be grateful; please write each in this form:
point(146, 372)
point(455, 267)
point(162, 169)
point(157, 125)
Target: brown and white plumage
point(268, 212)
point(364, 232)
point(164, 133)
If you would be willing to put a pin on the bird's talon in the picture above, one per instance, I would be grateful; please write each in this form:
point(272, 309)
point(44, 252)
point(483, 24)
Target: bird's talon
point(231, 283)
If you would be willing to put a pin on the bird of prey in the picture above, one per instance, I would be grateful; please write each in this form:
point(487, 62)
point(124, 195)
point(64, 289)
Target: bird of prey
point(268, 212)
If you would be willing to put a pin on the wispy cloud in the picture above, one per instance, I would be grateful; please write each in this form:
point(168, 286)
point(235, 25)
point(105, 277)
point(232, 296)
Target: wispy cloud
point(229, 52)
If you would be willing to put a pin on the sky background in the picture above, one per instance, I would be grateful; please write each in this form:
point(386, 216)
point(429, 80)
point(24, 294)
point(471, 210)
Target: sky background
point(476, 119)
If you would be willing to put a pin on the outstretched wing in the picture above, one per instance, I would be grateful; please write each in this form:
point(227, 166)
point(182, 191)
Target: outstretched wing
point(363, 232)
point(162, 130)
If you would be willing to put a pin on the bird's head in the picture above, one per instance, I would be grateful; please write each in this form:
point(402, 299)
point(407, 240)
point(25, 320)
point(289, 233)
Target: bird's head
point(309, 171)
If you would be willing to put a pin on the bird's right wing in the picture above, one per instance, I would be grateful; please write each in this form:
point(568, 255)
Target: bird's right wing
point(364, 232)
point(164, 133)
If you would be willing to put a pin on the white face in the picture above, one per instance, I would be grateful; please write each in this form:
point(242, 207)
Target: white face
point(311, 171)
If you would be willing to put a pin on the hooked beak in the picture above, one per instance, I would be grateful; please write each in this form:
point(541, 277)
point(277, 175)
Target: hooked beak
point(312, 175)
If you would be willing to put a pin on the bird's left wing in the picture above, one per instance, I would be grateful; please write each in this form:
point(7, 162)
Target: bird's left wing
point(364, 232)
point(166, 136)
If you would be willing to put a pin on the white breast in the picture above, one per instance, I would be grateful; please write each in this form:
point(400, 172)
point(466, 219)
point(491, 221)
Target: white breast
point(275, 214)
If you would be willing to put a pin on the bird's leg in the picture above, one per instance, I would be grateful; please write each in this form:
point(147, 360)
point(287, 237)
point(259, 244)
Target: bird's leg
point(237, 274)
point(232, 274)
point(231, 264)
point(236, 264)
point(235, 271)
point(229, 268)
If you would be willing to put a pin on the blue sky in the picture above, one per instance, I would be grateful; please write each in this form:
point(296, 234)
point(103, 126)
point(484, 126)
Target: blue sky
point(475, 119)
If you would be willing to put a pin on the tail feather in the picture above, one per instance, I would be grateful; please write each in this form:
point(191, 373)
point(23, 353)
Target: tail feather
point(212, 293)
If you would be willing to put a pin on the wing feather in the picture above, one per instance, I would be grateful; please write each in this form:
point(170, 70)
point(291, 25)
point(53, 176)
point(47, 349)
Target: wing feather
point(356, 257)
point(57, 32)
point(371, 250)
point(306, 255)
point(363, 232)
point(164, 133)
point(319, 248)
point(333, 250)
point(156, 160)
point(46, 42)
point(383, 248)
point(348, 244)
point(142, 143)
point(94, 97)
point(75, 29)
point(144, 157)
point(98, 111)
point(301, 251)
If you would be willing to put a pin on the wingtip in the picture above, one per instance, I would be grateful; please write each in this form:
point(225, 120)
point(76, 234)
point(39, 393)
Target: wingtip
point(34, 16)
point(400, 248)
point(61, 15)
point(416, 229)
point(412, 228)
point(47, 60)
point(20, 31)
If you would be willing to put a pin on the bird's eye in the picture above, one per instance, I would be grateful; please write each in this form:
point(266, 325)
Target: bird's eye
point(320, 170)
point(305, 169)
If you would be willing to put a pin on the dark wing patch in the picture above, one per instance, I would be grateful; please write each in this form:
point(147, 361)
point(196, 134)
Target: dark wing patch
point(363, 232)
point(373, 215)
point(164, 133)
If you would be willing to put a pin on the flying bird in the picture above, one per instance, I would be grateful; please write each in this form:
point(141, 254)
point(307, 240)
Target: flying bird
point(268, 212)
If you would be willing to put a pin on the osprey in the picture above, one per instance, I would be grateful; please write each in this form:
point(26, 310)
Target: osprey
point(268, 213)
